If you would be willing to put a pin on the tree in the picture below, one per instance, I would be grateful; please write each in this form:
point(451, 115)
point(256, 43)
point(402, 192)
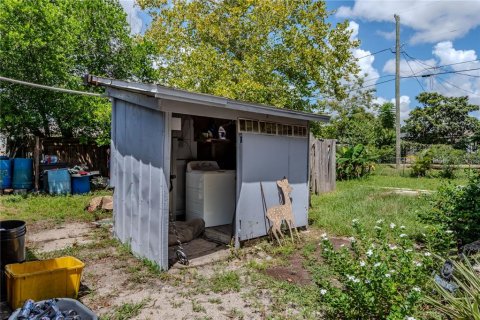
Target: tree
point(282, 53)
point(55, 43)
point(441, 120)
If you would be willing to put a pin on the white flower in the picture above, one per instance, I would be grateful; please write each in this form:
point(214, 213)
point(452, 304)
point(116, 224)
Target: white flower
point(377, 264)
point(427, 254)
point(352, 239)
point(367, 281)
point(416, 289)
point(403, 235)
point(387, 275)
point(342, 245)
point(352, 278)
point(323, 292)
point(408, 250)
point(377, 227)
point(392, 271)
point(355, 221)
point(449, 231)
point(392, 225)
point(380, 221)
point(325, 249)
point(323, 235)
point(410, 318)
point(369, 253)
point(417, 264)
point(362, 263)
point(402, 227)
point(392, 247)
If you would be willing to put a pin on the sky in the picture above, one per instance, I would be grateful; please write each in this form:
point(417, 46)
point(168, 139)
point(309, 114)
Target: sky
point(433, 34)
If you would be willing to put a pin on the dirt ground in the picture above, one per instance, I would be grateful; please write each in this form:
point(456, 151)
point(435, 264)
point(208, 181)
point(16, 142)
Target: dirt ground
point(114, 281)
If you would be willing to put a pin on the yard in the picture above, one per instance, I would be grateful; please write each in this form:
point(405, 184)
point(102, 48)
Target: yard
point(260, 281)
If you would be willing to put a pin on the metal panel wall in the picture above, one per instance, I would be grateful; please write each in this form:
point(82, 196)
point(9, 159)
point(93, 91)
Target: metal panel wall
point(140, 175)
point(266, 159)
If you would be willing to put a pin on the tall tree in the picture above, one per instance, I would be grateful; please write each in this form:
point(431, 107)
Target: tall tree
point(54, 43)
point(283, 53)
point(441, 120)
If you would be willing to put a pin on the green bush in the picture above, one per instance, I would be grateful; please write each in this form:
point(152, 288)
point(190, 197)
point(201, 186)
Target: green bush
point(354, 162)
point(375, 278)
point(465, 302)
point(448, 157)
point(422, 164)
point(455, 211)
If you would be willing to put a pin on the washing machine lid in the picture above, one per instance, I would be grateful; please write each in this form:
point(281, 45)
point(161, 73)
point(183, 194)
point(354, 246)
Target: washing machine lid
point(202, 166)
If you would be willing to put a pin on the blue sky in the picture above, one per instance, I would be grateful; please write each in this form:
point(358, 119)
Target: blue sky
point(433, 33)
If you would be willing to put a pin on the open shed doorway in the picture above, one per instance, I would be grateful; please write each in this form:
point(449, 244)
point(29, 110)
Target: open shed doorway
point(202, 184)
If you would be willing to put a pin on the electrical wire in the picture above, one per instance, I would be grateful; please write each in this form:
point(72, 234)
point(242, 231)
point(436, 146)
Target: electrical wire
point(372, 54)
point(455, 86)
point(413, 73)
point(41, 86)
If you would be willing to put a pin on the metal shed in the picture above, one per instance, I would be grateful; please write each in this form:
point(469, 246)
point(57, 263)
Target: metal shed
point(155, 131)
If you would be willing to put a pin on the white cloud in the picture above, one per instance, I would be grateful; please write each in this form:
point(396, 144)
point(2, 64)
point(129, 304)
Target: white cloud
point(387, 35)
point(465, 83)
point(433, 21)
point(366, 63)
point(418, 67)
point(133, 15)
point(404, 105)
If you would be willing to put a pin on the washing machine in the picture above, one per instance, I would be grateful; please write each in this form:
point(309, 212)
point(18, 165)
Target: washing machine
point(210, 193)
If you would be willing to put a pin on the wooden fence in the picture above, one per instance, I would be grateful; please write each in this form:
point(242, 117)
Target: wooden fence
point(70, 152)
point(322, 165)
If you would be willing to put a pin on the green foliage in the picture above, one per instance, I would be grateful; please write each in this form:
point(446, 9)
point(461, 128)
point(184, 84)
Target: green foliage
point(386, 115)
point(422, 163)
point(448, 157)
point(225, 282)
point(441, 120)
point(282, 53)
point(380, 278)
point(55, 43)
point(464, 304)
point(455, 210)
point(354, 162)
point(125, 311)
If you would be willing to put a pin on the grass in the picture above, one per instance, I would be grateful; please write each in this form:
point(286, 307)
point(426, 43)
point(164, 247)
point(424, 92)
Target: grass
point(33, 207)
point(369, 200)
point(225, 282)
point(125, 311)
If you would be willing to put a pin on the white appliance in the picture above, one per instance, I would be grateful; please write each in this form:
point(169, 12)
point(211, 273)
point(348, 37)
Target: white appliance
point(210, 193)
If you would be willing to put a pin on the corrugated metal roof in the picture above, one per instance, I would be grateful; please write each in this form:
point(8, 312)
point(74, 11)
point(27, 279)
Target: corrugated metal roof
point(162, 92)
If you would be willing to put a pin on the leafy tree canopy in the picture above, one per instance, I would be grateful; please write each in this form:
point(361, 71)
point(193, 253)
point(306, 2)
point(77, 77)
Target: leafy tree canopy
point(441, 120)
point(283, 53)
point(55, 43)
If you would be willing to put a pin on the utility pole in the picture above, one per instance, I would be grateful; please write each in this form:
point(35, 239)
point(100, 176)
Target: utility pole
point(397, 93)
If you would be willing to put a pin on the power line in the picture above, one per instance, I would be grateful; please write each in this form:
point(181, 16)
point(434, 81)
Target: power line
point(41, 86)
point(441, 66)
point(454, 85)
point(413, 73)
point(377, 52)
point(447, 72)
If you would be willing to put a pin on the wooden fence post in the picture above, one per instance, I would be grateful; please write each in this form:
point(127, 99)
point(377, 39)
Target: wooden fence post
point(322, 165)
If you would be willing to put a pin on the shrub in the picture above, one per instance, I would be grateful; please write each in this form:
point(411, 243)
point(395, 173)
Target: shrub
point(448, 157)
point(422, 163)
point(354, 162)
point(377, 278)
point(455, 210)
point(465, 302)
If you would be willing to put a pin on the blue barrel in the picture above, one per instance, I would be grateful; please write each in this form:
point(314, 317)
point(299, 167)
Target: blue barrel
point(22, 173)
point(5, 173)
point(57, 181)
point(80, 185)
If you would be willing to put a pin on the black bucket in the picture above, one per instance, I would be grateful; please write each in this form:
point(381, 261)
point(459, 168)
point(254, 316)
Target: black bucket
point(12, 248)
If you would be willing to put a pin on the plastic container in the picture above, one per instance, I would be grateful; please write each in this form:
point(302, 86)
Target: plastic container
point(57, 181)
point(12, 248)
point(65, 304)
point(22, 173)
point(5, 173)
point(80, 185)
point(46, 279)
